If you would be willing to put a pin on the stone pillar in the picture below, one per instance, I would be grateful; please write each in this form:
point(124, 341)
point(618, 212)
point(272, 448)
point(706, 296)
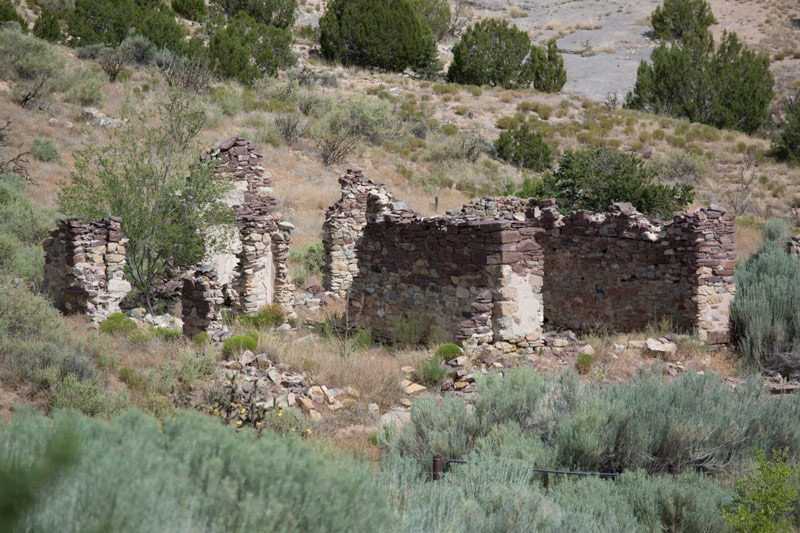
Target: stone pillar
point(85, 267)
point(344, 226)
point(713, 229)
point(201, 299)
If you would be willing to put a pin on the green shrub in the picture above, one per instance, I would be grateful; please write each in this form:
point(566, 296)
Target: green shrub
point(47, 26)
point(410, 330)
point(190, 9)
point(595, 178)
point(766, 498)
point(727, 86)
point(449, 351)
point(239, 343)
point(85, 87)
point(495, 53)
point(693, 421)
point(765, 325)
point(385, 34)
point(188, 471)
point(270, 316)
point(345, 126)
point(118, 323)
point(435, 14)
point(277, 13)
point(87, 397)
point(109, 22)
point(138, 49)
point(202, 338)
point(9, 13)
point(678, 18)
point(450, 129)
point(430, 370)
point(682, 166)
point(169, 335)
point(45, 150)
point(585, 362)
point(246, 50)
point(28, 59)
point(786, 145)
point(524, 148)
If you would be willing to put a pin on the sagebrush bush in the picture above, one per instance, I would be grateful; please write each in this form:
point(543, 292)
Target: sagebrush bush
point(45, 150)
point(138, 50)
point(26, 58)
point(85, 86)
point(766, 324)
point(556, 421)
point(385, 34)
point(185, 473)
point(525, 148)
point(88, 397)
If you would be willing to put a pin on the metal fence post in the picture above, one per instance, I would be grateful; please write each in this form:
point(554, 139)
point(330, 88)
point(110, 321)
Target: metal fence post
point(673, 469)
point(438, 467)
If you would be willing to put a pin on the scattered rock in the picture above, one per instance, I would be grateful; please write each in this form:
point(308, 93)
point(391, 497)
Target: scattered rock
point(660, 347)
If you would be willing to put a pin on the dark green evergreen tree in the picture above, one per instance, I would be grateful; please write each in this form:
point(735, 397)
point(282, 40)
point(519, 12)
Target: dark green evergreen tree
point(595, 178)
point(787, 145)
point(245, 49)
point(493, 52)
point(47, 26)
point(678, 18)
point(549, 73)
point(190, 9)
point(385, 34)
point(524, 148)
point(728, 87)
point(9, 13)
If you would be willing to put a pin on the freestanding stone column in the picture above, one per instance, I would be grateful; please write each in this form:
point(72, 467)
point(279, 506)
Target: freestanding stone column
point(85, 267)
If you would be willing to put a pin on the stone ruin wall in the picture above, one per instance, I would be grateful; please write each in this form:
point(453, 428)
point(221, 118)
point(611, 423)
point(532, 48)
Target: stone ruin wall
point(255, 272)
point(84, 267)
point(617, 270)
point(344, 224)
point(467, 279)
point(622, 271)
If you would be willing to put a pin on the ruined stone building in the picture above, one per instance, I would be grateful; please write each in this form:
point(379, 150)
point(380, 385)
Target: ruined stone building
point(254, 272)
point(495, 271)
point(85, 263)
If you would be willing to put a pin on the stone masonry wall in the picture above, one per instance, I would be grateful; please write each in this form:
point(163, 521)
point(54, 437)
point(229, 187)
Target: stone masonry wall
point(470, 280)
point(621, 271)
point(255, 273)
point(84, 267)
point(343, 227)
point(617, 270)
